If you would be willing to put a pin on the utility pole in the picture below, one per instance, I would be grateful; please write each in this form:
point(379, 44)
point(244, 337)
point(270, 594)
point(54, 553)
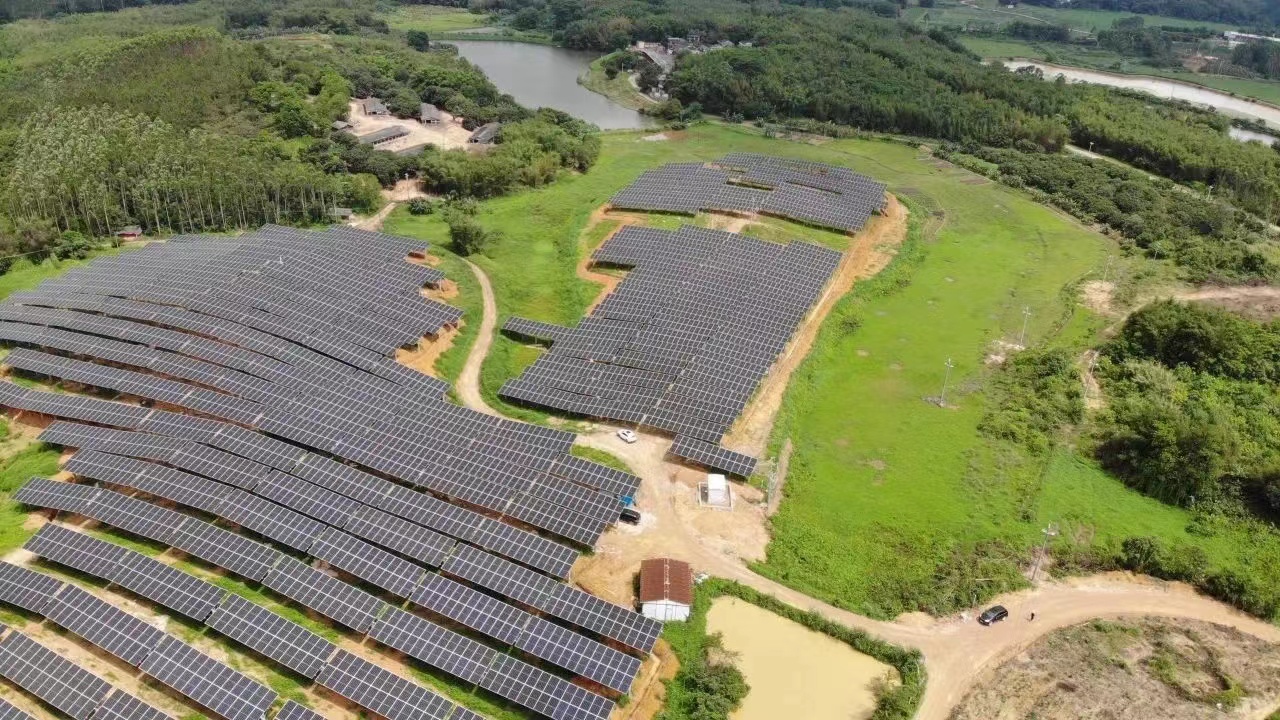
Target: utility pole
point(1026, 315)
point(942, 399)
point(1049, 532)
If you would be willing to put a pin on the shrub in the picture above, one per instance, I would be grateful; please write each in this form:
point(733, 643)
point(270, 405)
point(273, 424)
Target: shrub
point(421, 206)
point(467, 235)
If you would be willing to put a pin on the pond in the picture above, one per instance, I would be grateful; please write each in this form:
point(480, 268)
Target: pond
point(1238, 106)
point(546, 76)
point(795, 672)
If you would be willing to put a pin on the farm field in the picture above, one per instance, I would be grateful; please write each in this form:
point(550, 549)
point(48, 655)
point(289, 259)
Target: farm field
point(892, 504)
point(992, 12)
point(433, 18)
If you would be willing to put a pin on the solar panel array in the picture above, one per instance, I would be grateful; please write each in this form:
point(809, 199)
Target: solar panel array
point(224, 690)
point(285, 412)
point(807, 192)
point(685, 338)
point(454, 653)
point(348, 551)
point(293, 334)
point(206, 681)
point(58, 682)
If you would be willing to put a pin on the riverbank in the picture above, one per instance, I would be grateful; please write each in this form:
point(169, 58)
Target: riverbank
point(1227, 103)
point(619, 90)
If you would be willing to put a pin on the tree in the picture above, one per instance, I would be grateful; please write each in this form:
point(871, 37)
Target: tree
point(650, 77)
point(418, 40)
point(364, 192)
point(467, 235)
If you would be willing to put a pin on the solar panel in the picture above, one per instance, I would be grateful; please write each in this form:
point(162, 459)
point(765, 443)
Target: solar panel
point(167, 586)
point(208, 682)
point(225, 549)
point(75, 550)
point(103, 624)
point(284, 641)
point(326, 595)
point(393, 574)
point(294, 711)
point(9, 712)
point(25, 588)
point(50, 677)
point(434, 645)
point(383, 692)
point(123, 706)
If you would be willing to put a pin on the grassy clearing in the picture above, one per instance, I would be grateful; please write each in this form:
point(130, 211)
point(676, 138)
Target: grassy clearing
point(992, 12)
point(433, 18)
point(17, 468)
point(604, 457)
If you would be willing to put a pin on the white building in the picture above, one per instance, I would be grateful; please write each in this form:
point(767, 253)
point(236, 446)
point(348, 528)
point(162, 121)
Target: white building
point(666, 589)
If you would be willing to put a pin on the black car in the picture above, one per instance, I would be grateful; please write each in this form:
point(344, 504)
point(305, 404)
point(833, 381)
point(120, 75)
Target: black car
point(993, 614)
point(628, 515)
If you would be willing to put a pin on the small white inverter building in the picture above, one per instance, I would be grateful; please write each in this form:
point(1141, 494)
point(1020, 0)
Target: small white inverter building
point(666, 589)
point(717, 489)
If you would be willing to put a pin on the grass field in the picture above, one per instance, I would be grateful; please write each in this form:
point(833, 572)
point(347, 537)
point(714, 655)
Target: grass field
point(887, 493)
point(433, 18)
point(619, 89)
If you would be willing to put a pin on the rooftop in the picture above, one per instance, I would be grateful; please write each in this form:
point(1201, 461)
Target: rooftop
point(666, 579)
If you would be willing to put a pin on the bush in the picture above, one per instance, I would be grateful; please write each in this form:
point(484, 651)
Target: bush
point(418, 40)
point(467, 235)
point(363, 192)
point(421, 206)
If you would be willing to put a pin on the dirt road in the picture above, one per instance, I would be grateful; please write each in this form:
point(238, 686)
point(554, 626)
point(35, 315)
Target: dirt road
point(468, 385)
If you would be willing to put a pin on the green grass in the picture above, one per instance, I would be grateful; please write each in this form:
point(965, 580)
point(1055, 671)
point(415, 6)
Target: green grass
point(25, 275)
point(604, 457)
point(434, 18)
point(17, 468)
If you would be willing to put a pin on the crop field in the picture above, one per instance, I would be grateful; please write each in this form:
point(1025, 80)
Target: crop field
point(892, 503)
point(992, 12)
point(433, 18)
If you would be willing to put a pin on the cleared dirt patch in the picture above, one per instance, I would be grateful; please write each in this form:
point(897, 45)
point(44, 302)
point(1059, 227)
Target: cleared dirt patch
point(1138, 668)
point(869, 252)
point(1259, 303)
point(447, 134)
point(423, 358)
point(793, 671)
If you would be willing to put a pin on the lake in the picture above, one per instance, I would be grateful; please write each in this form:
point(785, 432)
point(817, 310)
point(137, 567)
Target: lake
point(546, 76)
point(1224, 103)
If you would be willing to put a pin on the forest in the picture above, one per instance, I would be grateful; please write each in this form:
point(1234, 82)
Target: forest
point(117, 131)
point(1256, 13)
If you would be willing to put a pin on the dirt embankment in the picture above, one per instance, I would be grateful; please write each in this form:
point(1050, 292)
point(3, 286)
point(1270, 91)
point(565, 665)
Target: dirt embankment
point(1138, 668)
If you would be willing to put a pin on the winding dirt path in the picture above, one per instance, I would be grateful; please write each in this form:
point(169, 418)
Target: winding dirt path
point(468, 385)
point(956, 649)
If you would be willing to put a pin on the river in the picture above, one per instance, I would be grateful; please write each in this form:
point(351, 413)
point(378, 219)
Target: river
point(546, 76)
point(1228, 105)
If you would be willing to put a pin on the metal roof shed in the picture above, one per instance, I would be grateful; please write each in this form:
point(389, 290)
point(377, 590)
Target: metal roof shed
point(666, 589)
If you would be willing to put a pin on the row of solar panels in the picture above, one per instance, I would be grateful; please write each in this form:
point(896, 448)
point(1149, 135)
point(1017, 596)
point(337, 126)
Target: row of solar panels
point(307, 519)
point(806, 192)
point(480, 480)
point(683, 341)
point(257, 562)
point(210, 683)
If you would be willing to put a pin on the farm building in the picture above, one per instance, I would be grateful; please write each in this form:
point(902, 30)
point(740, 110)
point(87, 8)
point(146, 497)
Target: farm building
point(340, 125)
point(384, 135)
point(341, 213)
point(485, 134)
point(429, 114)
point(373, 106)
point(412, 150)
point(129, 233)
point(666, 589)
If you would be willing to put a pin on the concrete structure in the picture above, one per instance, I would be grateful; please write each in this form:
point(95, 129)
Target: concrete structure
point(485, 134)
point(666, 589)
point(340, 125)
point(429, 114)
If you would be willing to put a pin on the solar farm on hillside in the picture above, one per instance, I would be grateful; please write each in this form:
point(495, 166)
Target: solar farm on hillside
point(240, 403)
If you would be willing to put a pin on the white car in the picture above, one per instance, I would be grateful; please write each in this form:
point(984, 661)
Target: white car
point(627, 436)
